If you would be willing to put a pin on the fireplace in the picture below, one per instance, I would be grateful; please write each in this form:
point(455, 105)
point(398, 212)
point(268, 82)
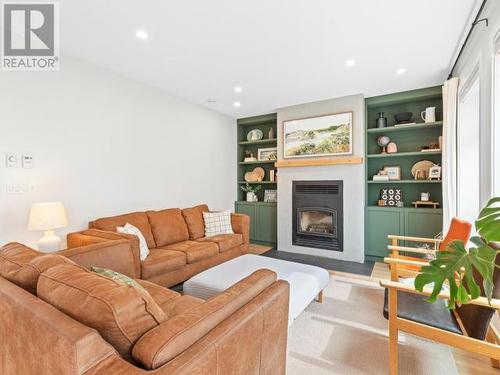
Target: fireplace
point(318, 214)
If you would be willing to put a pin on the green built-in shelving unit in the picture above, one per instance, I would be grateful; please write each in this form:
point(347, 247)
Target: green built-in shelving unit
point(263, 215)
point(407, 220)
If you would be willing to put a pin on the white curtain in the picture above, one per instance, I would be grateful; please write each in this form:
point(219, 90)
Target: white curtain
point(449, 149)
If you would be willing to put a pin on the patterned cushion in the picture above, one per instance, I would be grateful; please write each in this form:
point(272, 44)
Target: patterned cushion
point(119, 277)
point(217, 223)
point(130, 229)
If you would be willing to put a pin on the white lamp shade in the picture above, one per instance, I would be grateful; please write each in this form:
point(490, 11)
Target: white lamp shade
point(47, 216)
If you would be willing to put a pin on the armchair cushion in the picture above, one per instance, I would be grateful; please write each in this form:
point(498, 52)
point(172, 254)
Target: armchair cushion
point(194, 220)
point(119, 312)
point(414, 307)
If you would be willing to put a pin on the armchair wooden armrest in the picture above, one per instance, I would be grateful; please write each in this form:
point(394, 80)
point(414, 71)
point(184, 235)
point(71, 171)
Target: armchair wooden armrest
point(410, 249)
point(415, 239)
point(481, 301)
point(396, 261)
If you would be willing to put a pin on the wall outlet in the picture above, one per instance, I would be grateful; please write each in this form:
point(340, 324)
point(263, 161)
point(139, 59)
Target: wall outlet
point(10, 160)
point(15, 188)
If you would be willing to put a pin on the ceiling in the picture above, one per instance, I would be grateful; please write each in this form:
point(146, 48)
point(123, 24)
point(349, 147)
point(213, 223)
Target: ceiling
point(280, 52)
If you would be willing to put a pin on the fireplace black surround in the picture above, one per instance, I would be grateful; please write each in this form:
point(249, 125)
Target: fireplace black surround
point(318, 213)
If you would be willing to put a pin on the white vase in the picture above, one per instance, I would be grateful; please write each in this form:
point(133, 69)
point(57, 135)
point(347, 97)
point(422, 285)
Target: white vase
point(251, 197)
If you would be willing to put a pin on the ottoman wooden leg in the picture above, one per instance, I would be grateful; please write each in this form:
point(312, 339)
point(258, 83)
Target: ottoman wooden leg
point(319, 298)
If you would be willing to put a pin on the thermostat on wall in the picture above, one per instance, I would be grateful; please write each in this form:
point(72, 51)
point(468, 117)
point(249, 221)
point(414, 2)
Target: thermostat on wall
point(27, 160)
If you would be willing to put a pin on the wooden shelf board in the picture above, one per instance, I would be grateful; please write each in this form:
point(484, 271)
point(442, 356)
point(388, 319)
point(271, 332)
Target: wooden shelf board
point(257, 162)
point(318, 162)
point(259, 182)
point(407, 207)
point(394, 129)
point(262, 141)
point(258, 120)
point(401, 154)
point(406, 182)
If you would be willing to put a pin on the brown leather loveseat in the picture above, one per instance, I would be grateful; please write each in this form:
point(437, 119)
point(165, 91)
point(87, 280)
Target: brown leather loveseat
point(176, 240)
point(60, 318)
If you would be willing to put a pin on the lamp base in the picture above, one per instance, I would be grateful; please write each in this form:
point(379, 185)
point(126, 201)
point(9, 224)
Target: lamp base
point(49, 242)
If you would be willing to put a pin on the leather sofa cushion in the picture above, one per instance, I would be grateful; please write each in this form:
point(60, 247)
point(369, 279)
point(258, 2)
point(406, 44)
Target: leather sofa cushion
point(137, 219)
point(22, 265)
point(160, 261)
point(168, 226)
point(414, 307)
point(194, 250)
point(169, 339)
point(162, 296)
point(119, 312)
point(194, 220)
point(224, 241)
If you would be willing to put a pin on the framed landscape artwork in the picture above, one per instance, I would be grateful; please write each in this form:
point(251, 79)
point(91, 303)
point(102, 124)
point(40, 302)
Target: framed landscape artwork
point(329, 135)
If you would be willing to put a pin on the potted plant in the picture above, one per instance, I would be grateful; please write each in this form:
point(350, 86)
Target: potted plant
point(456, 263)
point(251, 190)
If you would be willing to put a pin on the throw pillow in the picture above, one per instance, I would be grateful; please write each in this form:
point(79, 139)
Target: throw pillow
point(130, 229)
point(121, 278)
point(217, 223)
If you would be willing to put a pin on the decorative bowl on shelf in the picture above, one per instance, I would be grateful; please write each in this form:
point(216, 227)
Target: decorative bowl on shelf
point(403, 117)
point(255, 135)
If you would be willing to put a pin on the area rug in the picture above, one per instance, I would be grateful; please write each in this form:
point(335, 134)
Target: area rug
point(347, 334)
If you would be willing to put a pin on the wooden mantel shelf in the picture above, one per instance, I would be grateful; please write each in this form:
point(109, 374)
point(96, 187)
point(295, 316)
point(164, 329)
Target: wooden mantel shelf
point(318, 162)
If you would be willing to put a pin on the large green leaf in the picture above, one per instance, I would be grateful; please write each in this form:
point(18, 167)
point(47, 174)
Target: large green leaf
point(456, 260)
point(444, 268)
point(488, 222)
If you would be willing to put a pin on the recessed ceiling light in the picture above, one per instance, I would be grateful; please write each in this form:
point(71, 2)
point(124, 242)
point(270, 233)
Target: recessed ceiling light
point(237, 104)
point(238, 89)
point(350, 63)
point(141, 34)
point(401, 71)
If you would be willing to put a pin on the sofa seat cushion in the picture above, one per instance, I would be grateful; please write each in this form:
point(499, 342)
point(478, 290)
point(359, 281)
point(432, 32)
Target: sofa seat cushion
point(195, 250)
point(137, 219)
point(160, 261)
point(224, 241)
point(22, 265)
point(119, 312)
point(162, 296)
point(168, 226)
point(194, 220)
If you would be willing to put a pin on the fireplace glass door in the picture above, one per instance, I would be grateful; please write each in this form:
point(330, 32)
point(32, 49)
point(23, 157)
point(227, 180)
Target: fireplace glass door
point(317, 222)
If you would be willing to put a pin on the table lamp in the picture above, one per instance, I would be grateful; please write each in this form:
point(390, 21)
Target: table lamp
point(48, 217)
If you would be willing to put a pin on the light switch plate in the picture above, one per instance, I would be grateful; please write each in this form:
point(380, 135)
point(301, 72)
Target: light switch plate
point(10, 160)
point(14, 188)
point(27, 160)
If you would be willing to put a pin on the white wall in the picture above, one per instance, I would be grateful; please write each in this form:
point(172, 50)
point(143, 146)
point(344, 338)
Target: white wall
point(478, 58)
point(104, 145)
point(351, 174)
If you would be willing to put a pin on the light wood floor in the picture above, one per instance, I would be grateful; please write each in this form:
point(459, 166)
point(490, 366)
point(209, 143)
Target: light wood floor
point(258, 249)
point(467, 363)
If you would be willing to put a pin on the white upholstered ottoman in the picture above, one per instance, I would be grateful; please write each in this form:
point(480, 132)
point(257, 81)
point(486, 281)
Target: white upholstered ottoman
point(306, 282)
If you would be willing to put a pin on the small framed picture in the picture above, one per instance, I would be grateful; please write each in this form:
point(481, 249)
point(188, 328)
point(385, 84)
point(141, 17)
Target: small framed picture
point(393, 172)
point(270, 153)
point(271, 196)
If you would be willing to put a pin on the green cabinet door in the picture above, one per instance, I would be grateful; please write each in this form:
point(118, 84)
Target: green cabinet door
point(250, 210)
point(380, 222)
point(267, 222)
point(423, 222)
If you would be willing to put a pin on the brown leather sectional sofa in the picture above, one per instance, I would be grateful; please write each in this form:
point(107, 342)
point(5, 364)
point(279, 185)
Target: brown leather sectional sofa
point(176, 240)
point(57, 317)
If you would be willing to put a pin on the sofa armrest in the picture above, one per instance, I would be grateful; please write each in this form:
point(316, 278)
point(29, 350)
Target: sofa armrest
point(117, 255)
point(94, 236)
point(241, 225)
point(164, 342)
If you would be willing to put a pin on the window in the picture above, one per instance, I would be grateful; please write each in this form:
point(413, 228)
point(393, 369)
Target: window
point(496, 126)
point(468, 173)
